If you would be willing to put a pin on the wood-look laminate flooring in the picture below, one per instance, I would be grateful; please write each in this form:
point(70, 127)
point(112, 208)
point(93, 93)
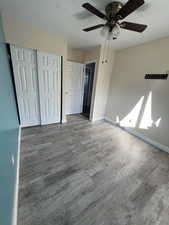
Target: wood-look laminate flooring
point(83, 173)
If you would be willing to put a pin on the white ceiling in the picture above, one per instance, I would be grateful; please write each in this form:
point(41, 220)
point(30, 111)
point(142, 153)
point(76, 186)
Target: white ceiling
point(69, 18)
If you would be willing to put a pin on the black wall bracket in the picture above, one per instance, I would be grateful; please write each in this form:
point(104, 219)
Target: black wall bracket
point(156, 76)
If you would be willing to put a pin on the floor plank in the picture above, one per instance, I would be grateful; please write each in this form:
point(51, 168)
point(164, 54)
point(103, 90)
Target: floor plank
point(83, 173)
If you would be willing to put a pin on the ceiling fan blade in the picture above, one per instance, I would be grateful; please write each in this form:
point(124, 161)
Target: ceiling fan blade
point(93, 28)
point(133, 26)
point(93, 10)
point(128, 8)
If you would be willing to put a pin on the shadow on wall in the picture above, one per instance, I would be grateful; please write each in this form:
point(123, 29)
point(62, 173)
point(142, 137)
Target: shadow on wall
point(140, 116)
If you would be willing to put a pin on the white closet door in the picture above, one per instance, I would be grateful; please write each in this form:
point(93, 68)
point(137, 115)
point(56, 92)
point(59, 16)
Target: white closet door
point(49, 76)
point(25, 75)
point(74, 87)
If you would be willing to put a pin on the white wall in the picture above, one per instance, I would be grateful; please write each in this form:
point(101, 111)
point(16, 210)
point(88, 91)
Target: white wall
point(75, 55)
point(102, 82)
point(92, 54)
point(128, 86)
point(83, 55)
point(26, 35)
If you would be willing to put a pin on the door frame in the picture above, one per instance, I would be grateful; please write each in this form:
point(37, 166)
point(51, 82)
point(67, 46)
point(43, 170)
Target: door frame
point(13, 79)
point(71, 61)
point(94, 85)
point(61, 91)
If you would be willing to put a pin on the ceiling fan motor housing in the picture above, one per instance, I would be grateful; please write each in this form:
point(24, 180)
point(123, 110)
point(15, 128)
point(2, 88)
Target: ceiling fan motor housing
point(113, 8)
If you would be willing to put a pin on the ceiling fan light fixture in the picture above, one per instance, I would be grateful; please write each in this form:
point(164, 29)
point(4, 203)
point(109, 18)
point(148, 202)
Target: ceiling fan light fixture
point(110, 35)
point(104, 31)
point(114, 33)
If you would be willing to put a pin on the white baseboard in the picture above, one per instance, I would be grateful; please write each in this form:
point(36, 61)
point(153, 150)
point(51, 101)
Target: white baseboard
point(110, 120)
point(16, 191)
point(143, 137)
point(97, 119)
point(148, 140)
point(64, 121)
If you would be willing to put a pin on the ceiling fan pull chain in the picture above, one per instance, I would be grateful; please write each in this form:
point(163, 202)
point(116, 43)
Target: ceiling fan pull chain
point(104, 48)
point(110, 49)
point(107, 51)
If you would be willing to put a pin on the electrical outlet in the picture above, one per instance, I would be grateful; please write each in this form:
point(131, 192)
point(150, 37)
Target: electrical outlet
point(13, 160)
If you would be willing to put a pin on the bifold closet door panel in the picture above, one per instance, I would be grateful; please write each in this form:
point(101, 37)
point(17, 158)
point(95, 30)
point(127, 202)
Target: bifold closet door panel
point(74, 87)
point(49, 77)
point(25, 76)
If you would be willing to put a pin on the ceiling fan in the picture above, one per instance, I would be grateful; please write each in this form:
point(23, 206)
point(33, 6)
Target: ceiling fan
point(115, 12)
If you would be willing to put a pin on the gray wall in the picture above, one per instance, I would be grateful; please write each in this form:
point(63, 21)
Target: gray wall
point(128, 86)
point(8, 137)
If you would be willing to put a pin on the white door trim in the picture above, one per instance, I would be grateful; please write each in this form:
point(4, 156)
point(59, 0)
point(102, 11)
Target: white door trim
point(94, 86)
point(16, 190)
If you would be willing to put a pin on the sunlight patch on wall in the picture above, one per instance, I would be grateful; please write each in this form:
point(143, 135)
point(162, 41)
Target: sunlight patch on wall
point(146, 120)
point(157, 123)
point(136, 119)
point(131, 119)
point(117, 119)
